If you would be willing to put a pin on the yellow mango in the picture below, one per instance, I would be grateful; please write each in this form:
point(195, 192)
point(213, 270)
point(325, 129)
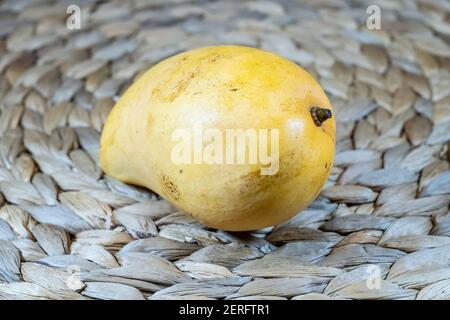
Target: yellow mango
point(216, 94)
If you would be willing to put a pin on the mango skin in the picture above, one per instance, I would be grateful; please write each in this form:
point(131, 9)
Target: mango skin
point(223, 87)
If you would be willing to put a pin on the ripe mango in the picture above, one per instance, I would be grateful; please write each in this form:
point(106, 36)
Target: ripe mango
point(221, 89)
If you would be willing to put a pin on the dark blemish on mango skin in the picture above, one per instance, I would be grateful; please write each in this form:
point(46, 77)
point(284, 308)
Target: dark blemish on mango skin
point(162, 92)
point(234, 89)
point(170, 187)
point(215, 57)
point(254, 182)
point(182, 85)
point(320, 115)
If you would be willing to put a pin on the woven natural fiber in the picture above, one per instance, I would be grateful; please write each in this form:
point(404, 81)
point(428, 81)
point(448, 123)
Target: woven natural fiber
point(379, 230)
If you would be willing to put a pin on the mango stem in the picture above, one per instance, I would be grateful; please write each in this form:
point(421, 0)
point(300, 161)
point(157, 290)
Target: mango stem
point(320, 115)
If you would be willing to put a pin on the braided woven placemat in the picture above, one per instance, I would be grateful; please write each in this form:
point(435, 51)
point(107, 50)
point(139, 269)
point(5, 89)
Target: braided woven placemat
point(379, 230)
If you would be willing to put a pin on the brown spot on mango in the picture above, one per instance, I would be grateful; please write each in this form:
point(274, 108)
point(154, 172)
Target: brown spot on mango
point(170, 188)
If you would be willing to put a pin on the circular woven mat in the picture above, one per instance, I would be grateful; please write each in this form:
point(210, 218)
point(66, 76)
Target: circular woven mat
point(379, 230)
